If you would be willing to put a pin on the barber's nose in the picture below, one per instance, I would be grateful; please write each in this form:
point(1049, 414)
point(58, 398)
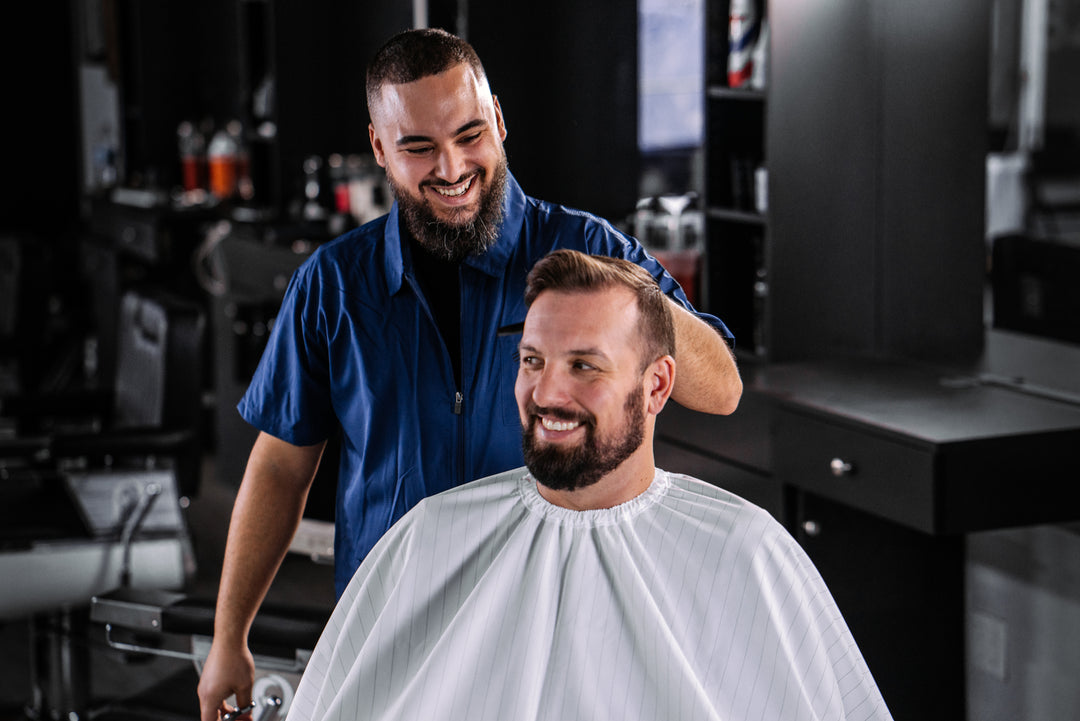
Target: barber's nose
point(451, 165)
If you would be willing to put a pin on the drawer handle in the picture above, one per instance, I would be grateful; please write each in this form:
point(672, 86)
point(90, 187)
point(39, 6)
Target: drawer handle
point(841, 468)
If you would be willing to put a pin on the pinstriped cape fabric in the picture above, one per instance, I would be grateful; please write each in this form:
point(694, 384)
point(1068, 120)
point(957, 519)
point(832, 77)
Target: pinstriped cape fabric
point(487, 602)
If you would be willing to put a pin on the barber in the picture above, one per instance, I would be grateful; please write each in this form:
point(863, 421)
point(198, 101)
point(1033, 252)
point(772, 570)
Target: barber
point(389, 332)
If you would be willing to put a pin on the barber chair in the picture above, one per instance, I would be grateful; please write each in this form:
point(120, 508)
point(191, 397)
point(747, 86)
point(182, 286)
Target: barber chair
point(178, 626)
point(92, 488)
point(282, 636)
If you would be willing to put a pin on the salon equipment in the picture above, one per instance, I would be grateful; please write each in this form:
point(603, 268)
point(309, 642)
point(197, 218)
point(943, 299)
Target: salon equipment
point(92, 488)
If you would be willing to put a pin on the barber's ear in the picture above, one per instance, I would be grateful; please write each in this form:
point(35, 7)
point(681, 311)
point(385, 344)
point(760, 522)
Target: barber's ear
point(659, 379)
point(500, 122)
point(376, 145)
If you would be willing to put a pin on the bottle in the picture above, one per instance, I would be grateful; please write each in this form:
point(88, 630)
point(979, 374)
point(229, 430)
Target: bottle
point(223, 161)
point(341, 218)
point(313, 208)
point(761, 189)
point(106, 173)
point(339, 182)
point(192, 145)
point(244, 186)
point(760, 57)
point(743, 25)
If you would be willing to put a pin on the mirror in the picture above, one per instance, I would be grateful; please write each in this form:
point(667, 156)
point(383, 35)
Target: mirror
point(1033, 169)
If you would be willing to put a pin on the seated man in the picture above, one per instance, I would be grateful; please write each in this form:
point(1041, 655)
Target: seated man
point(589, 584)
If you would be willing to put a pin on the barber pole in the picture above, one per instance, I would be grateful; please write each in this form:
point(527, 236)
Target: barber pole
point(743, 27)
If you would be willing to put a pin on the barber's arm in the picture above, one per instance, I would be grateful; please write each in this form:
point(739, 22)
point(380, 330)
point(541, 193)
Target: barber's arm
point(267, 512)
point(707, 378)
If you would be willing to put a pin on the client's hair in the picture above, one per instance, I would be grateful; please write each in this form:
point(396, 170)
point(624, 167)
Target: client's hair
point(571, 271)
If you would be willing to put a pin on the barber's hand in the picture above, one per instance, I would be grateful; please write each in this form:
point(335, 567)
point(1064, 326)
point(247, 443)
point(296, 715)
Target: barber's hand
point(228, 671)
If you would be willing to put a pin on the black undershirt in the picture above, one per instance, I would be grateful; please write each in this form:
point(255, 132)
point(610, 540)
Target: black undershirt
point(439, 280)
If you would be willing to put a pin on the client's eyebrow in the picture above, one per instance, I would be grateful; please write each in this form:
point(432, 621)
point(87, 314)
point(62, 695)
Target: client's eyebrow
point(572, 353)
point(587, 353)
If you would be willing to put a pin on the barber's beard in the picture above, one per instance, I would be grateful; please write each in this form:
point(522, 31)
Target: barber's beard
point(570, 469)
point(455, 241)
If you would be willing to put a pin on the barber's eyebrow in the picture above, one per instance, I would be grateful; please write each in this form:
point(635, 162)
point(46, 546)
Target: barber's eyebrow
point(410, 139)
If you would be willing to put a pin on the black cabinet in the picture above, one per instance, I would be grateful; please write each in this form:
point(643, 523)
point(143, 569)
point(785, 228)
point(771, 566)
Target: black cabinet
point(902, 595)
point(886, 466)
point(938, 451)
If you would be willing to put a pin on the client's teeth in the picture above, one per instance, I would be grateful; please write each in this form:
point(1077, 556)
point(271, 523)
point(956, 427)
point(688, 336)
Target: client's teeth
point(559, 425)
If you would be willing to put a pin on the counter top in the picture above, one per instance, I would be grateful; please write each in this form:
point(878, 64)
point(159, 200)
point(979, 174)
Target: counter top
point(915, 403)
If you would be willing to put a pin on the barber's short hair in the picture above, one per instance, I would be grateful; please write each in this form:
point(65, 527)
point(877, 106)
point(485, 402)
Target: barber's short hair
point(415, 54)
point(572, 271)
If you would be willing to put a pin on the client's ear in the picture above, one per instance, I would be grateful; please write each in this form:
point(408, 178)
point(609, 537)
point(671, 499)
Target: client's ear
point(659, 380)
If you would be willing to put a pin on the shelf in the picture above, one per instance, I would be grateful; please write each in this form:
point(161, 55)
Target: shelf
point(722, 92)
point(737, 216)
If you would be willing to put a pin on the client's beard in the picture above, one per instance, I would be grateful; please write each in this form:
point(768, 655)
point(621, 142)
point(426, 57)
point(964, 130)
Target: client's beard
point(455, 241)
point(571, 469)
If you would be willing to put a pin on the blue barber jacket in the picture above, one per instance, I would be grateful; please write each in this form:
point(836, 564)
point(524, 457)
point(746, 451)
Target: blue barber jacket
point(355, 343)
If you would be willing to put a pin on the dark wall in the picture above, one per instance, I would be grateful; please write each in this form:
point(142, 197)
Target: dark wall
point(565, 73)
point(39, 130)
point(320, 56)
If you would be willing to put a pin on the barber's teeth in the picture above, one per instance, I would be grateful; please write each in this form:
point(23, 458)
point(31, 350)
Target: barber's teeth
point(454, 192)
point(559, 425)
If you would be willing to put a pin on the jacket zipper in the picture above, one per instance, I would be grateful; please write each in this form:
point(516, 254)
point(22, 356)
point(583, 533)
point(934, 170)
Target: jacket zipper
point(459, 398)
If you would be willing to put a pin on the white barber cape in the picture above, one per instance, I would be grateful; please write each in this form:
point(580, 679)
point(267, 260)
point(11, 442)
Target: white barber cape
point(488, 602)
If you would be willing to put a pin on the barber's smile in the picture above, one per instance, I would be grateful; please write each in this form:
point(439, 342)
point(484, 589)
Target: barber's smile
point(457, 193)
